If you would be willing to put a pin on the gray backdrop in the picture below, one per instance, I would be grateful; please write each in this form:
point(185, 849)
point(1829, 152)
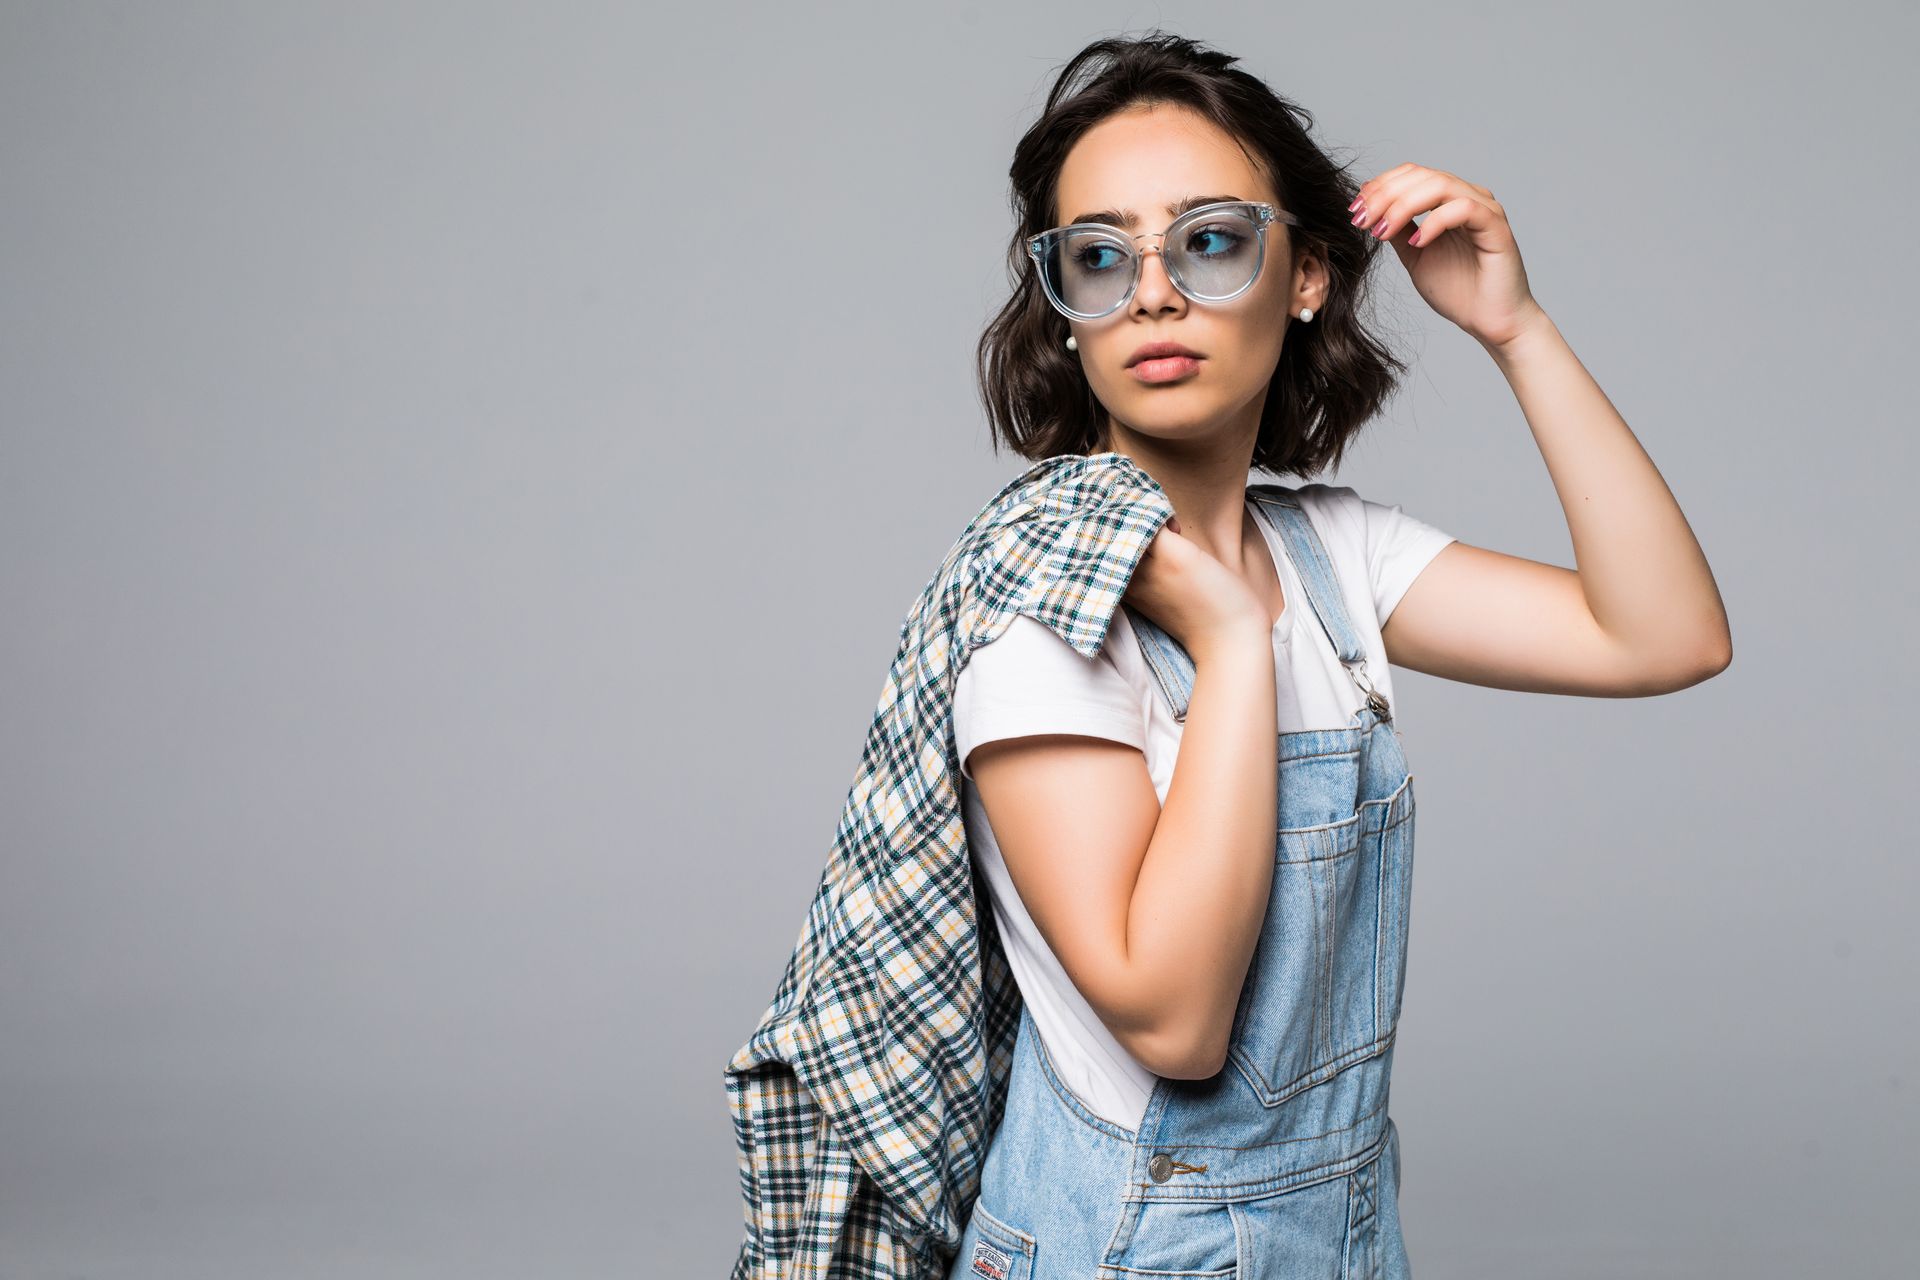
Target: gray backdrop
point(463, 469)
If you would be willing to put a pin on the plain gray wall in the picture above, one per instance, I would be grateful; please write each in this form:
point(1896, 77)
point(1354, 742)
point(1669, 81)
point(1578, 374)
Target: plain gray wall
point(463, 470)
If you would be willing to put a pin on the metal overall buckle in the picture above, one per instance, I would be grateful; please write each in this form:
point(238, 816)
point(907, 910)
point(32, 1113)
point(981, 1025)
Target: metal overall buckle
point(1358, 670)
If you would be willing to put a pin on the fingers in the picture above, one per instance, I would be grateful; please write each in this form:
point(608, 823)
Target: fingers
point(1386, 205)
point(1453, 213)
point(1391, 207)
point(1375, 194)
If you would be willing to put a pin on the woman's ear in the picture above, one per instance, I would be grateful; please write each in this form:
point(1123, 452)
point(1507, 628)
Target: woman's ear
point(1311, 279)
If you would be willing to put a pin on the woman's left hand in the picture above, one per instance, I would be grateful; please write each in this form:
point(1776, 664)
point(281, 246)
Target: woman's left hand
point(1464, 261)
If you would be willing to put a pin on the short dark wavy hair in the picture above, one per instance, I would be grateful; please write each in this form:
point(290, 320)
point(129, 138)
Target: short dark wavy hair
point(1332, 375)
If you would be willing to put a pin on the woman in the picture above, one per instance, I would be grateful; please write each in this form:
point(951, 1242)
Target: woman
point(1198, 845)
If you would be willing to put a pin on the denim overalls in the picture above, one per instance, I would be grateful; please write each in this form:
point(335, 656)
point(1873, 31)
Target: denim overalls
point(1283, 1165)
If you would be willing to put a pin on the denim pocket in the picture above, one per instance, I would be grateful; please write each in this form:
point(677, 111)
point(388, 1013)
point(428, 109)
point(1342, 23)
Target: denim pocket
point(1176, 1240)
point(1322, 988)
point(993, 1250)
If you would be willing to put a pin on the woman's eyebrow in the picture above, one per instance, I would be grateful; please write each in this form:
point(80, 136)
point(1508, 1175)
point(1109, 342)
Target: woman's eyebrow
point(1128, 218)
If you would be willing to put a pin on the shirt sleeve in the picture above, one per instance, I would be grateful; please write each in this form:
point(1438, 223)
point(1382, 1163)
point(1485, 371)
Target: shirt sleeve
point(1029, 680)
point(1399, 546)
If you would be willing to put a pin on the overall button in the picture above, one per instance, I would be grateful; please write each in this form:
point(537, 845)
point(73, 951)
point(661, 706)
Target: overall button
point(1160, 1168)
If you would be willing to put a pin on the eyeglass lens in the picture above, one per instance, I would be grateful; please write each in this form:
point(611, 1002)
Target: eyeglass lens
point(1215, 257)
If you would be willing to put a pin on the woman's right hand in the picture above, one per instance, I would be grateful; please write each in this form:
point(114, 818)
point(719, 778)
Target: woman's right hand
point(1191, 595)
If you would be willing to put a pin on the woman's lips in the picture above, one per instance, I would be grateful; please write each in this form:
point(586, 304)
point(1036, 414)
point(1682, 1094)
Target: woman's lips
point(1166, 368)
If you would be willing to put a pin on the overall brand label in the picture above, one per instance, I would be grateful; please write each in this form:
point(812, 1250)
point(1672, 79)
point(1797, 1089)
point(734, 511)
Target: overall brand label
point(990, 1262)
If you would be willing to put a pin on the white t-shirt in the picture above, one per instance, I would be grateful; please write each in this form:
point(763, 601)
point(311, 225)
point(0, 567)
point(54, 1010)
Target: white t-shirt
point(1028, 680)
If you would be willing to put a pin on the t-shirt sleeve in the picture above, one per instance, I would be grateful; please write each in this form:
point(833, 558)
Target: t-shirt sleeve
point(1399, 546)
point(1029, 680)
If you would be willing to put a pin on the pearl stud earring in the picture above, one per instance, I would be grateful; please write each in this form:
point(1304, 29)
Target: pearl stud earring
point(1306, 313)
point(1072, 343)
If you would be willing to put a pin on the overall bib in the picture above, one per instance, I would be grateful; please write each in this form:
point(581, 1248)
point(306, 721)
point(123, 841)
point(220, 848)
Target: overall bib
point(1284, 1165)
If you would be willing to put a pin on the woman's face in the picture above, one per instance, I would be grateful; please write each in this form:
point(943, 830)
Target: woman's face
point(1142, 161)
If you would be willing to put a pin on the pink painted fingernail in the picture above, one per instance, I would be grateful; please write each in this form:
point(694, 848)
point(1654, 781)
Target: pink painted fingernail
point(1380, 228)
point(1359, 217)
point(1357, 201)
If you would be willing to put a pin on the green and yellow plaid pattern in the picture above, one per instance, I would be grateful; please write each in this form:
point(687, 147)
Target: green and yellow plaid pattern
point(866, 1098)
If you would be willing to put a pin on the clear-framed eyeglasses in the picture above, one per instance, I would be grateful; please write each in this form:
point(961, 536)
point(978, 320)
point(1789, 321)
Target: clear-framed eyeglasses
point(1212, 254)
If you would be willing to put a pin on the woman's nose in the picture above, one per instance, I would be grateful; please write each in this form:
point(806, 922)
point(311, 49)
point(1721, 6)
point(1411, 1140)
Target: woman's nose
point(1156, 288)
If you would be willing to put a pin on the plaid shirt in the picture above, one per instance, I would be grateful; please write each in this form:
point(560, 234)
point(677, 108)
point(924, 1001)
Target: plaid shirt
point(867, 1096)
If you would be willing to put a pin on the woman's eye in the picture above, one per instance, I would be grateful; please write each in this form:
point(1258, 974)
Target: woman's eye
point(1100, 257)
point(1212, 242)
